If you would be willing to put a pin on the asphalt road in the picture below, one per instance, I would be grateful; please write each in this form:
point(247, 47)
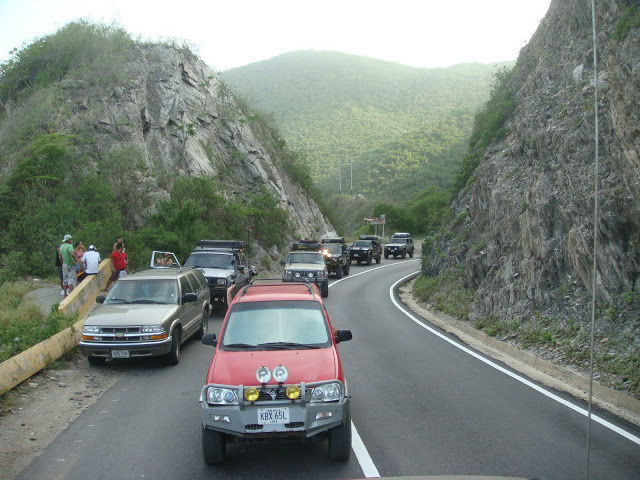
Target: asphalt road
point(421, 406)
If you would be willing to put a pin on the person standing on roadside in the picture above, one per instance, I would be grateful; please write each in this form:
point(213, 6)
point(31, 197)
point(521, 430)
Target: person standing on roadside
point(68, 265)
point(59, 268)
point(91, 260)
point(118, 240)
point(78, 253)
point(118, 264)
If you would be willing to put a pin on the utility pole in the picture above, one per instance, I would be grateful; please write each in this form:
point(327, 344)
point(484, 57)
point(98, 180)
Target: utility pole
point(351, 177)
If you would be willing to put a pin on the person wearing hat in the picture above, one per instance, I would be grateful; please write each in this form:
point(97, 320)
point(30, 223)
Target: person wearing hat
point(68, 265)
point(91, 260)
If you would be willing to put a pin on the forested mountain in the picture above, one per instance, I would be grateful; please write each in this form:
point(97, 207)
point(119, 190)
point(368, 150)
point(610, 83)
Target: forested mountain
point(401, 128)
point(101, 135)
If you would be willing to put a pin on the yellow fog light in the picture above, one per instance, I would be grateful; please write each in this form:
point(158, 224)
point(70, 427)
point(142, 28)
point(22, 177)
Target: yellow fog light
point(251, 394)
point(293, 392)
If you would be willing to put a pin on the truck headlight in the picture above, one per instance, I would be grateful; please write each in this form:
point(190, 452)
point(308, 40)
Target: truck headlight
point(288, 273)
point(221, 396)
point(90, 329)
point(152, 329)
point(329, 392)
point(154, 332)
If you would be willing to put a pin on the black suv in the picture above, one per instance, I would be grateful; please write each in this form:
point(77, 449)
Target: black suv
point(336, 255)
point(400, 244)
point(366, 249)
point(223, 262)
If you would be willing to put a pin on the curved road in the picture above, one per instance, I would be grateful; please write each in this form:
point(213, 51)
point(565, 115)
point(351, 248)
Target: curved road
point(421, 405)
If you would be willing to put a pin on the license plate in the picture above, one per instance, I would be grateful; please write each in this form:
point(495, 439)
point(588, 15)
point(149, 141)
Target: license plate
point(119, 353)
point(273, 415)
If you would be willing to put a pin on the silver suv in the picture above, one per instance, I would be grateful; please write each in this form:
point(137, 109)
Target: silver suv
point(307, 266)
point(223, 263)
point(148, 313)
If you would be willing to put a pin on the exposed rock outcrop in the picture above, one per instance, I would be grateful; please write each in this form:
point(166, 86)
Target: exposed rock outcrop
point(175, 113)
point(526, 219)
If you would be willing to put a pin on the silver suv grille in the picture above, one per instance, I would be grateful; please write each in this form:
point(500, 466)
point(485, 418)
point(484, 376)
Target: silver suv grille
point(116, 330)
point(119, 334)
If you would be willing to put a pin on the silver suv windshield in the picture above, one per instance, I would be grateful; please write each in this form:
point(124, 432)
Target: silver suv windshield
point(211, 260)
point(163, 291)
point(279, 324)
point(306, 257)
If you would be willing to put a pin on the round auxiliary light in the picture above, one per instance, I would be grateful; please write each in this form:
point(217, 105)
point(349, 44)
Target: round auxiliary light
point(280, 374)
point(263, 375)
point(293, 392)
point(251, 394)
point(297, 275)
point(310, 274)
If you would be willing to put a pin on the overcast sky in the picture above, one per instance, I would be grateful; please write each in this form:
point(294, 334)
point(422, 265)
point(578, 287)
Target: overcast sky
point(232, 33)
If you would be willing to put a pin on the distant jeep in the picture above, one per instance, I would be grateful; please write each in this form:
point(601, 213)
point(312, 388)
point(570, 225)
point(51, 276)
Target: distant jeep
point(399, 247)
point(336, 254)
point(306, 263)
point(366, 249)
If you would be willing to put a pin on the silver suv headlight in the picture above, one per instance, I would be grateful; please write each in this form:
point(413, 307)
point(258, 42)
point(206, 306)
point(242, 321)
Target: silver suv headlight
point(221, 396)
point(152, 329)
point(90, 329)
point(329, 392)
point(288, 273)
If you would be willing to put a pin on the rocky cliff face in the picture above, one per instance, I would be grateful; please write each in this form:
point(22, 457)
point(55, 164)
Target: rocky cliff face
point(524, 236)
point(174, 112)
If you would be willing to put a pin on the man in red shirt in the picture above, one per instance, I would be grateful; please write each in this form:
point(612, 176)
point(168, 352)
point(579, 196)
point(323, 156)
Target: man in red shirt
point(118, 264)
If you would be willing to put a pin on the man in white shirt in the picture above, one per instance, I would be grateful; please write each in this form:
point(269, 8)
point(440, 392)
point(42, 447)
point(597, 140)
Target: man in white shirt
point(91, 260)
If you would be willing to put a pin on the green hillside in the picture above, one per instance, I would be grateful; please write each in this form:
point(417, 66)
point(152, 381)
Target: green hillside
point(401, 129)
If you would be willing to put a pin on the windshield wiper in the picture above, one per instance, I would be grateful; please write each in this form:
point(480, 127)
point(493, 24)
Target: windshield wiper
point(238, 345)
point(287, 345)
point(122, 300)
point(145, 300)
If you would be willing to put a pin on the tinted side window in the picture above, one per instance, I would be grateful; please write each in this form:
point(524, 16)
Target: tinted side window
point(184, 286)
point(193, 281)
point(200, 279)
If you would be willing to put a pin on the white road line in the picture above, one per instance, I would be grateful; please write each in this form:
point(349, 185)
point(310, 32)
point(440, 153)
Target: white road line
point(523, 380)
point(362, 454)
point(373, 269)
point(364, 459)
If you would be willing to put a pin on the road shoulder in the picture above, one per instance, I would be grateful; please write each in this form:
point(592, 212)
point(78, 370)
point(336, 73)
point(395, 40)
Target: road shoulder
point(36, 411)
point(542, 371)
